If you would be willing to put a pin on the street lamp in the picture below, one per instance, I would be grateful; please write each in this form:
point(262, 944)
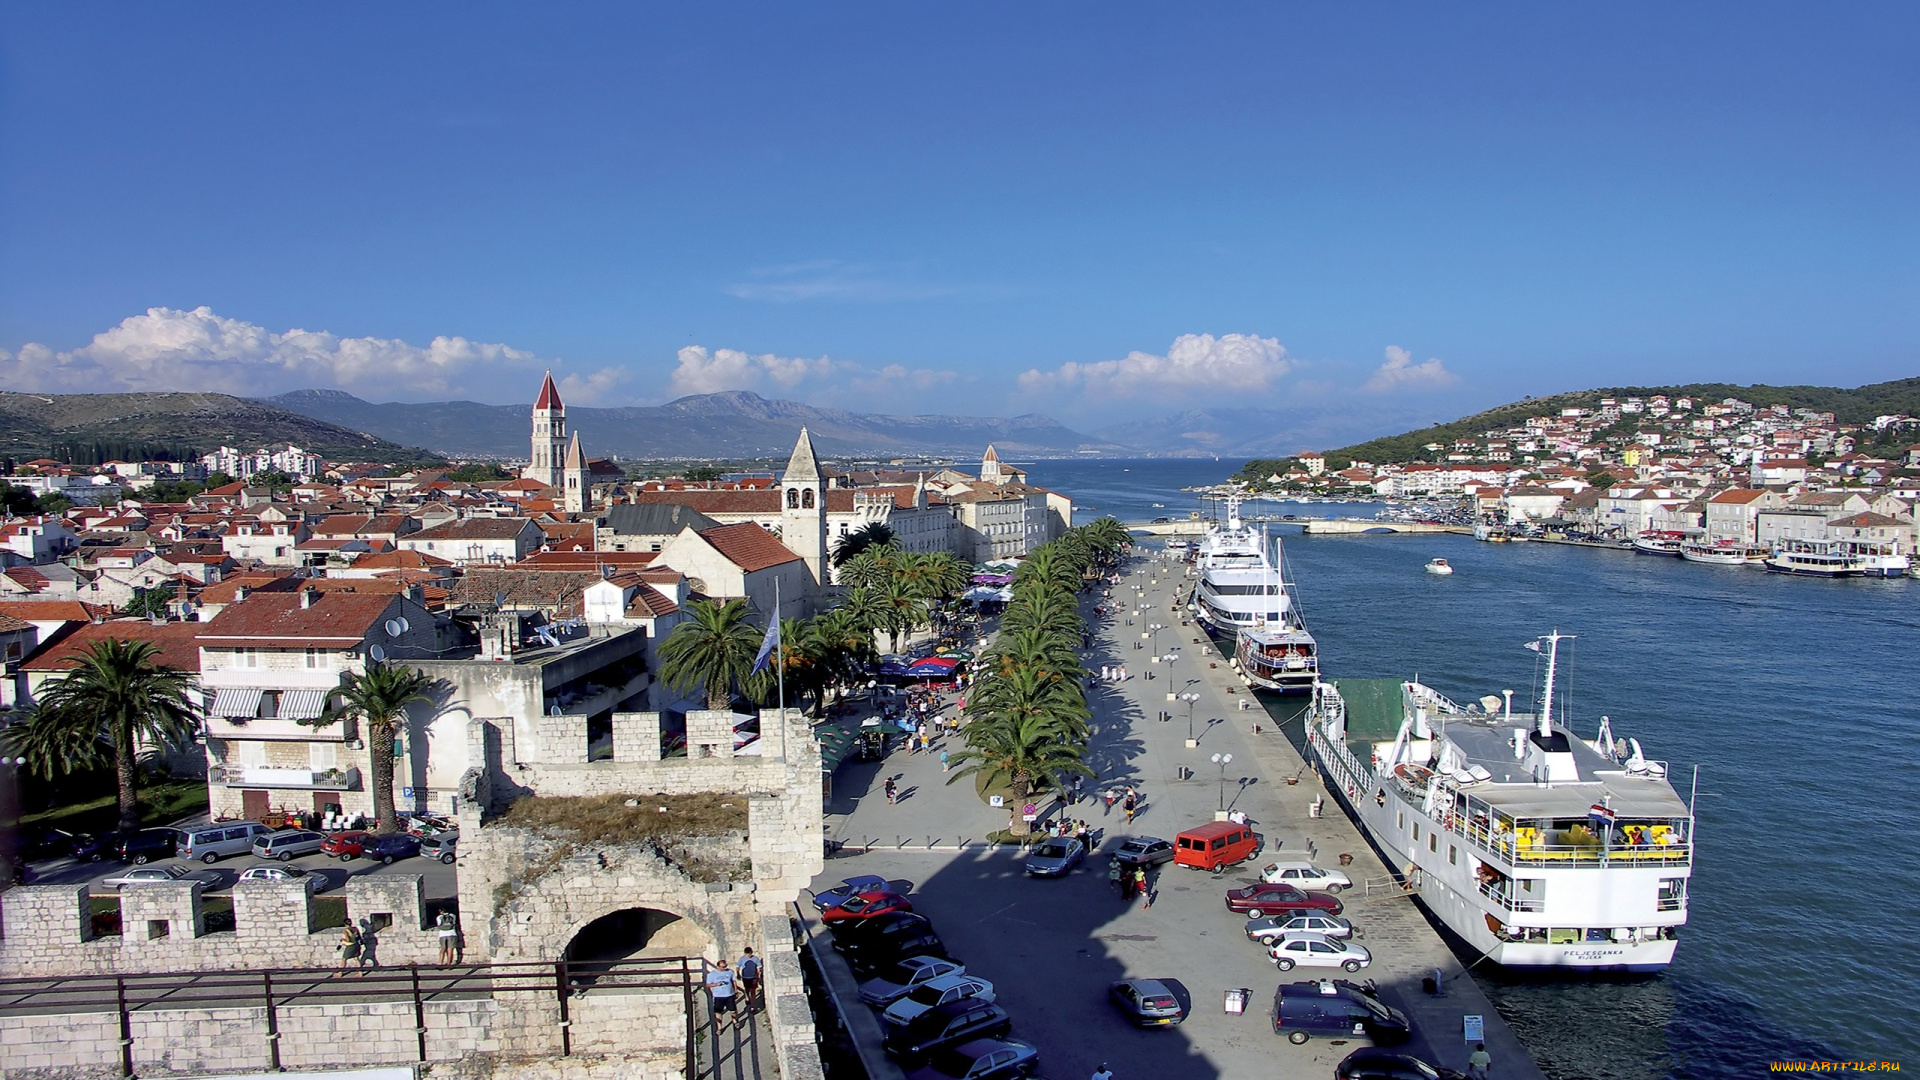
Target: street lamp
point(1189, 698)
point(1223, 760)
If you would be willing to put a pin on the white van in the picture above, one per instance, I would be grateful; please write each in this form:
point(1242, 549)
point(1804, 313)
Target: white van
point(209, 842)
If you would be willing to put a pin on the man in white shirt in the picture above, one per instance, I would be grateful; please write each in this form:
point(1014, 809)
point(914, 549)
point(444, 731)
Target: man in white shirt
point(720, 986)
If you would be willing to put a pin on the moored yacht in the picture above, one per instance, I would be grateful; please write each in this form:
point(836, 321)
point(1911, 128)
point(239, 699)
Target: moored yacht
point(1276, 652)
point(1537, 848)
point(1877, 558)
point(1813, 558)
point(1721, 552)
point(1238, 585)
point(1659, 542)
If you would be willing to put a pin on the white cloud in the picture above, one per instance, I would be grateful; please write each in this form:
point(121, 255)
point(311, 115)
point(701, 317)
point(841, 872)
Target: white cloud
point(169, 349)
point(707, 371)
point(1400, 370)
point(1194, 363)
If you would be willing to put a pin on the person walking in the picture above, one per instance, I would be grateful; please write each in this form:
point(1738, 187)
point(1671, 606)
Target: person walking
point(1146, 891)
point(893, 790)
point(349, 947)
point(944, 767)
point(1113, 876)
point(449, 933)
point(1479, 1062)
point(1109, 797)
point(369, 942)
point(1102, 1073)
point(749, 969)
point(720, 985)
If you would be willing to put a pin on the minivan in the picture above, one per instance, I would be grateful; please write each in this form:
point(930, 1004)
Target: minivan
point(1215, 846)
point(209, 842)
point(1339, 1009)
point(287, 843)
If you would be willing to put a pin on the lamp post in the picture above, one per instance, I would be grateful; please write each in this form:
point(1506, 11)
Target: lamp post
point(1223, 760)
point(1189, 698)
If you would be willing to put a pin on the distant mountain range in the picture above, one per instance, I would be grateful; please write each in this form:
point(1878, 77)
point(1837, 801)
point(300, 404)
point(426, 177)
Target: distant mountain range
point(90, 428)
point(735, 423)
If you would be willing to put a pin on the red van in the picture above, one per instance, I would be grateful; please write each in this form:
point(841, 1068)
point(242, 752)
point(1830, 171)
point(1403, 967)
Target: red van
point(1215, 846)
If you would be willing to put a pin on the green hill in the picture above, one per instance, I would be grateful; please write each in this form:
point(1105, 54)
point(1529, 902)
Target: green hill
point(1858, 405)
point(87, 429)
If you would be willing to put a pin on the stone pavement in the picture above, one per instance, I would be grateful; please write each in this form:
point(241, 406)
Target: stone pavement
point(1052, 946)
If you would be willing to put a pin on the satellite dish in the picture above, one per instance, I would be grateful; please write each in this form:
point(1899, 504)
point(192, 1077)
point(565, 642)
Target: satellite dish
point(379, 654)
point(395, 627)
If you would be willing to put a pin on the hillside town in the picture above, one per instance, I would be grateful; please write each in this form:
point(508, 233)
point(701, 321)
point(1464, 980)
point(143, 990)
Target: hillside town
point(549, 593)
point(1728, 471)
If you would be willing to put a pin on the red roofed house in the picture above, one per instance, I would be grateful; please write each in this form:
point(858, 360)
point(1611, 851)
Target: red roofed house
point(742, 561)
point(270, 660)
point(471, 541)
point(1734, 514)
point(176, 645)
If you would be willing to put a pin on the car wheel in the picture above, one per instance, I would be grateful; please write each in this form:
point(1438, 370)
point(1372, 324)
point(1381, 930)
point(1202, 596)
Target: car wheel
point(1336, 889)
point(1351, 966)
point(1283, 964)
point(1297, 1037)
point(448, 859)
point(284, 856)
point(386, 860)
point(139, 860)
point(95, 857)
point(209, 858)
point(345, 857)
point(1254, 913)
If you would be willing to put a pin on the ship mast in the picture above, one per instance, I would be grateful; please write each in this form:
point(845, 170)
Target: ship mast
point(1553, 640)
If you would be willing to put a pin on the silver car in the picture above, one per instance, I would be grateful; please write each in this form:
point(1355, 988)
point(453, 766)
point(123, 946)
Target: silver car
point(1053, 858)
point(144, 875)
point(936, 992)
point(1318, 950)
point(273, 872)
point(1274, 927)
point(898, 980)
point(287, 844)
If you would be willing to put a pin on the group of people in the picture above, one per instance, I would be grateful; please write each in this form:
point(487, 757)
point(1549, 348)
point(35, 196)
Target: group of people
point(358, 948)
point(1129, 881)
point(1128, 798)
point(1113, 673)
point(728, 984)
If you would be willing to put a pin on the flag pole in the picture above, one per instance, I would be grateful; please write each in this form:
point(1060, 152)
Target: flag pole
point(780, 649)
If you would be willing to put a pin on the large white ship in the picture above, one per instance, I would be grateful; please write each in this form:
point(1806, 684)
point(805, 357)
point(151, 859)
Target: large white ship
point(1238, 586)
point(1539, 849)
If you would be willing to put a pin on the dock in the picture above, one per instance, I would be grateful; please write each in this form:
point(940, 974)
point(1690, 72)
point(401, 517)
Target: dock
point(1309, 526)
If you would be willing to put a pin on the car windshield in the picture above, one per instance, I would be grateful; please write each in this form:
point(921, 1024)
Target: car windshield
point(952, 1063)
point(928, 995)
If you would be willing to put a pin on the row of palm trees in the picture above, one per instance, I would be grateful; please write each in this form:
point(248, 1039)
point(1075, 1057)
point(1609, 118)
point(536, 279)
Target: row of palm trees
point(1027, 710)
point(887, 591)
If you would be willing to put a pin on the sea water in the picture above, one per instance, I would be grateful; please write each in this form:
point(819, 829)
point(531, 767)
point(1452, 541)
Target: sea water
point(1795, 697)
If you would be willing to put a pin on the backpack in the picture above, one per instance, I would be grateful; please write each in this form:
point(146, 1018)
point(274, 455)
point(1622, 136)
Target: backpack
point(749, 968)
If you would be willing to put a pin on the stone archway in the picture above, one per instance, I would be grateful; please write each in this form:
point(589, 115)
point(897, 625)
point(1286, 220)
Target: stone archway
point(637, 933)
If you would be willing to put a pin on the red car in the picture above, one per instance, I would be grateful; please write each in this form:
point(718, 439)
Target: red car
point(864, 906)
point(344, 845)
point(1272, 899)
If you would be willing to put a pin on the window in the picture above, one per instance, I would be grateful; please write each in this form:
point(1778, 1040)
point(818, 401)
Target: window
point(1433, 842)
point(269, 705)
point(322, 756)
point(316, 659)
point(1401, 823)
point(1673, 894)
point(251, 753)
point(1453, 855)
point(246, 658)
point(1416, 832)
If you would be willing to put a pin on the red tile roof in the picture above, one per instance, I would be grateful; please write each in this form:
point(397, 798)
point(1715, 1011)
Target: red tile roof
point(177, 643)
point(334, 617)
point(53, 610)
point(549, 395)
point(579, 560)
point(473, 529)
point(748, 546)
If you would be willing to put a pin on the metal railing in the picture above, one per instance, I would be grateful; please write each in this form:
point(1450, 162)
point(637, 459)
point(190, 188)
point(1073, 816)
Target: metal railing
point(1506, 900)
point(275, 989)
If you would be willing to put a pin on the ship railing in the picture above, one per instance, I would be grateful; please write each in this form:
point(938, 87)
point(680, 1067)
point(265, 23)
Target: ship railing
point(1493, 891)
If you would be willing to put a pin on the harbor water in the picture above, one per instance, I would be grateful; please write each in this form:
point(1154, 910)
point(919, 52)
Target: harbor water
point(1795, 698)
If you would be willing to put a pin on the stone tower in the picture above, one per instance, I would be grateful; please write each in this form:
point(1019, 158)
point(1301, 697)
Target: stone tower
point(990, 466)
point(575, 494)
point(803, 509)
point(549, 436)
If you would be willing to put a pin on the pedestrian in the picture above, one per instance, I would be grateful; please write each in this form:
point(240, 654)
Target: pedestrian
point(944, 767)
point(1146, 891)
point(1113, 875)
point(1109, 797)
point(1102, 1073)
point(449, 934)
point(349, 947)
point(1106, 673)
point(749, 969)
point(720, 985)
point(892, 791)
point(1130, 810)
point(1479, 1062)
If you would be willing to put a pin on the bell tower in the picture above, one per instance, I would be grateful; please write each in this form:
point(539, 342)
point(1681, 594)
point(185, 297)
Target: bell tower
point(803, 509)
point(549, 436)
point(574, 493)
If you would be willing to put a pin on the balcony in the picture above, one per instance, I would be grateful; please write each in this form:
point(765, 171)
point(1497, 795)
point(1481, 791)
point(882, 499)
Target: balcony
point(1497, 892)
point(262, 776)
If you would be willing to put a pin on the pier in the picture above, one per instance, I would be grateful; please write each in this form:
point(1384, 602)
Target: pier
point(1310, 526)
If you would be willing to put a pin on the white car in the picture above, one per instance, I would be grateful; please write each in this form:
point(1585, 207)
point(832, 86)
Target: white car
point(896, 981)
point(937, 992)
point(1274, 927)
point(1318, 950)
point(284, 873)
point(1305, 875)
point(144, 875)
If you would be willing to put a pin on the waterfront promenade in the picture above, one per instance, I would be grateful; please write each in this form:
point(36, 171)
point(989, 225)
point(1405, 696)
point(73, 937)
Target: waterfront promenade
point(1051, 947)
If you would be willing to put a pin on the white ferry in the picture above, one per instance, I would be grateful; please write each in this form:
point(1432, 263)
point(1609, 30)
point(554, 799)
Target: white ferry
point(1813, 558)
point(1536, 848)
point(1877, 559)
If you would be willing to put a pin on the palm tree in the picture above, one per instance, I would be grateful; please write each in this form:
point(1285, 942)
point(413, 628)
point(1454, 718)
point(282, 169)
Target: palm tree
point(714, 649)
point(863, 610)
point(1026, 694)
point(378, 699)
point(1051, 610)
point(1029, 646)
point(870, 569)
point(1023, 755)
point(901, 610)
point(114, 700)
point(1050, 564)
point(874, 534)
point(946, 576)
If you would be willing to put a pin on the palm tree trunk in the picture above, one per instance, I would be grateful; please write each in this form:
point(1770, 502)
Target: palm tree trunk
point(124, 776)
point(380, 765)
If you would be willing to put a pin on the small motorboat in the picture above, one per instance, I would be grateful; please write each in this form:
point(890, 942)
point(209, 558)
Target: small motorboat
point(1439, 566)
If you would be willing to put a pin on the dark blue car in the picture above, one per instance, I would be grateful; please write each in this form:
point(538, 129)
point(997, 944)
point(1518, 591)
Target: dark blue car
point(388, 848)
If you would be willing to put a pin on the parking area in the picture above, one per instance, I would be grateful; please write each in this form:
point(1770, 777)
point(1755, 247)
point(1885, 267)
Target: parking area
point(440, 878)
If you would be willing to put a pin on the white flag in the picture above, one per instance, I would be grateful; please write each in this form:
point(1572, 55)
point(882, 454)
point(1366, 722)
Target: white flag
point(1534, 645)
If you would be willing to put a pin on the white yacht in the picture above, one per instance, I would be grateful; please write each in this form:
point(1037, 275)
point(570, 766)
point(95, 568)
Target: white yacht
point(1276, 652)
point(1876, 558)
point(1813, 558)
point(1237, 584)
point(1721, 552)
point(1537, 848)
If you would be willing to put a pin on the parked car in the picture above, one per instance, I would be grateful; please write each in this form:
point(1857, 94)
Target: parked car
point(1305, 875)
point(1053, 858)
point(1262, 898)
point(894, 983)
point(1373, 1063)
point(272, 872)
point(870, 956)
point(37, 844)
point(443, 846)
point(146, 845)
point(1318, 950)
point(1147, 1002)
point(285, 845)
point(865, 906)
point(209, 843)
point(1337, 1008)
point(981, 1059)
point(146, 875)
point(945, 1026)
point(90, 848)
point(1144, 851)
point(854, 886)
point(385, 849)
point(937, 992)
point(1272, 928)
point(344, 845)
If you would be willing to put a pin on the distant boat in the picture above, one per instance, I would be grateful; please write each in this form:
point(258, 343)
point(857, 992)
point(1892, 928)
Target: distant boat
point(1659, 542)
point(1439, 566)
point(1160, 506)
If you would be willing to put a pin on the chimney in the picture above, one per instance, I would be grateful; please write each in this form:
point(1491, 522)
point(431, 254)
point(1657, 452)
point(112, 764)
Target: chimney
point(417, 593)
point(307, 598)
point(241, 592)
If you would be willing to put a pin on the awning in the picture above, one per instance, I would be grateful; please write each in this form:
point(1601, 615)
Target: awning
point(237, 702)
point(302, 704)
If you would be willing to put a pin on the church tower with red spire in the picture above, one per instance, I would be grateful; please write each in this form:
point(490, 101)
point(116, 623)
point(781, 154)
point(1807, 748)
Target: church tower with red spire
point(549, 436)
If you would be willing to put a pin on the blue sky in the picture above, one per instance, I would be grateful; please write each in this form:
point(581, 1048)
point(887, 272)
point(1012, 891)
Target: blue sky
point(1098, 211)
